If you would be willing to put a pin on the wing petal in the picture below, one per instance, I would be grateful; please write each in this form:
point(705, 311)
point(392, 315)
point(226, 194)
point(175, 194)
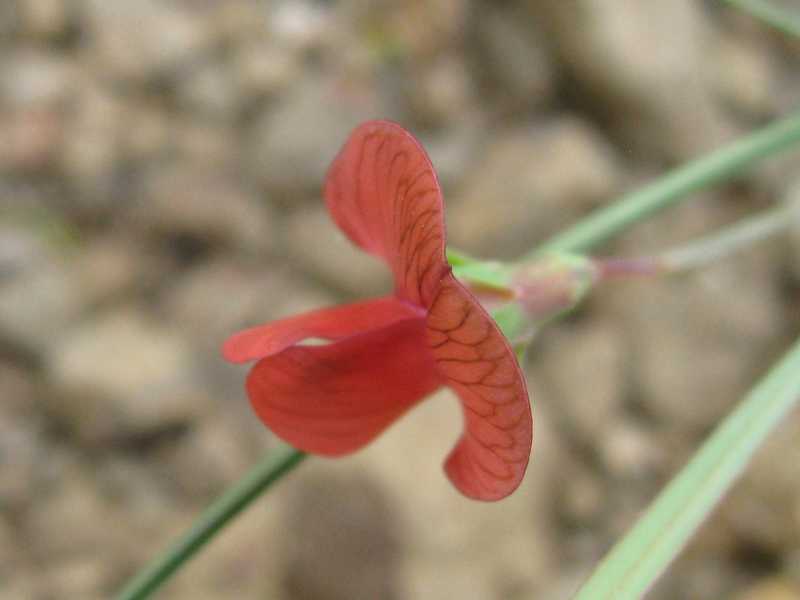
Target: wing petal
point(474, 358)
point(334, 399)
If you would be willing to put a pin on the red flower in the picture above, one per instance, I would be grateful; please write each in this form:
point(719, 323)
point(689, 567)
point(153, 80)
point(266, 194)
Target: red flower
point(388, 353)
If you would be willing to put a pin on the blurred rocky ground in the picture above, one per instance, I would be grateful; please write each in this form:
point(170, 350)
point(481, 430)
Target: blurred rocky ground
point(160, 174)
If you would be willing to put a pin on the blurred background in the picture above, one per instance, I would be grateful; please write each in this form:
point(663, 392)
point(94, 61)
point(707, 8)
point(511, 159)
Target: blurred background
point(160, 174)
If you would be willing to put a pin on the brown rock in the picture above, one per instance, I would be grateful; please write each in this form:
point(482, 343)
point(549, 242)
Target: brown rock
point(351, 543)
point(122, 376)
point(585, 374)
point(647, 65)
point(214, 300)
point(315, 244)
point(770, 588)
point(38, 303)
point(513, 66)
point(764, 508)
point(529, 183)
point(293, 143)
point(142, 40)
point(211, 207)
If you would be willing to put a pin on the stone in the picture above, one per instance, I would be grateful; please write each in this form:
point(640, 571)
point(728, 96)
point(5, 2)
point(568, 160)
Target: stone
point(46, 19)
point(20, 249)
point(263, 69)
point(35, 77)
point(764, 507)
point(529, 183)
point(747, 76)
point(208, 458)
point(209, 91)
point(513, 65)
point(34, 89)
point(90, 153)
point(143, 40)
point(316, 245)
point(149, 133)
point(770, 588)
point(300, 25)
point(211, 207)
point(22, 450)
point(77, 578)
point(37, 304)
point(585, 374)
point(293, 143)
point(122, 376)
point(645, 67)
point(441, 92)
point(210, 147)
point(10, 557)
point(630, 451)
point(215, 299)
point(351, 545)
point(70, 518)
point(116, 266)
point(792, 198)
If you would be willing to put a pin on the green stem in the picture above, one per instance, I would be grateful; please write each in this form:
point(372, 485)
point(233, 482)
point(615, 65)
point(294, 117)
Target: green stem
point(674, 187)
point(274, 466)
point(646, 551)
point(770, 14)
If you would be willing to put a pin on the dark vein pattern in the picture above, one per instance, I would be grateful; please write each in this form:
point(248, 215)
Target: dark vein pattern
point(476, 361)
point(333, 399)
point(383, 192)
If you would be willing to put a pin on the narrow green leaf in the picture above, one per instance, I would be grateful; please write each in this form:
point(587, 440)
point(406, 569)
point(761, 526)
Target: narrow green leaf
point(675, 187)
point(642, 555)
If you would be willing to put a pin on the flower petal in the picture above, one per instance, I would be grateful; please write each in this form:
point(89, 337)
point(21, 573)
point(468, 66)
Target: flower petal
point(333, 323)
point(383, 193)
point(333, 399)
point(473, 356)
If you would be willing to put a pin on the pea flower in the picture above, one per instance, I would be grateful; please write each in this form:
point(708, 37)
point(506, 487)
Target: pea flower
point(384, 355)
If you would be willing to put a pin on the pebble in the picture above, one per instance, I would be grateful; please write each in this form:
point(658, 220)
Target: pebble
point(514, 66)
point(764, 507)
point(122, 376)
point(176, 200)
point(528, 183)
point(38, 304)
point(316, 245)
point(293, 143)
point(642, 66)
point(144, 40)
point(598, 354)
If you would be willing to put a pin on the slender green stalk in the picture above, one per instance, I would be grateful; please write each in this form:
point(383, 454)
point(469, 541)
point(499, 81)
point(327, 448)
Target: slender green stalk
point(720, 244)
point(675, 187)
point(274, 466)
point(703, 251)
point(642, 555)
point(770, 14)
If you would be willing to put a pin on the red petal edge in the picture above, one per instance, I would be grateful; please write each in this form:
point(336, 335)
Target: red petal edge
point(334, 399)
point(332, 323)
point(476, 361)
point(383, 193)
